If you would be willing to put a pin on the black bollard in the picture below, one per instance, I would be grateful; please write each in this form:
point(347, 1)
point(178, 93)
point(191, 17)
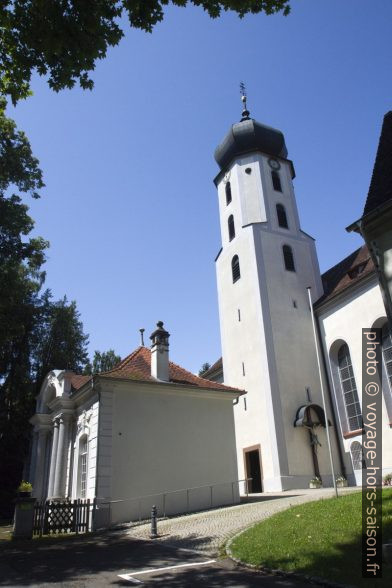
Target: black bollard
point(154, 530)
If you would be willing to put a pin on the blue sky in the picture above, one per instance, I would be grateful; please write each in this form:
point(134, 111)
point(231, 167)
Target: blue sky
point(129, 206)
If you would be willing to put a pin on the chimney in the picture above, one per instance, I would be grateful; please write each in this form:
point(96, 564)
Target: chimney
point(160, 353)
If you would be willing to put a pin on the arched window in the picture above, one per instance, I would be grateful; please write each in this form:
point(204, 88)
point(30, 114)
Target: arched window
point(349, 389)
point(276, 181)
point(288, 258)
point(228, 193)
point(230, 224)
point(82, 467)
point(235, 268)
point(387, 352)
point(357, 456)
point(282, 217)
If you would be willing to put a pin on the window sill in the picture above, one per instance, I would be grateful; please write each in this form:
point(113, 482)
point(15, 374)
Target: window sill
point(350, 434)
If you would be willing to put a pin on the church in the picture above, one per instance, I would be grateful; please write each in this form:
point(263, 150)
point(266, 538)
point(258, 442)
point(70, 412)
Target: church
point(286, 390)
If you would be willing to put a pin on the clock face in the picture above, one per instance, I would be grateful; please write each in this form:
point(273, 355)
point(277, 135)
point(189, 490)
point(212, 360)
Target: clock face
point(274, 163)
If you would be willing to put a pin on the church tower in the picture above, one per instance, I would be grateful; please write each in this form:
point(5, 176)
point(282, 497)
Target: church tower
point(264, 268)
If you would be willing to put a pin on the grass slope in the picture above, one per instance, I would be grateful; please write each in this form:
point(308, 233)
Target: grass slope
point(320, 538)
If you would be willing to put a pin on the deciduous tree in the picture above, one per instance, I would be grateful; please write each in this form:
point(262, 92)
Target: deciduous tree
point(102, 362)
point(63, 39)
point(36, 334)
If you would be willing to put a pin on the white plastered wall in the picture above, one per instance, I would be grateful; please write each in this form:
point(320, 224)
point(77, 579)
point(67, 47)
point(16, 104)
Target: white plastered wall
point(270, 351)
point(166, 439)
point(343, 320)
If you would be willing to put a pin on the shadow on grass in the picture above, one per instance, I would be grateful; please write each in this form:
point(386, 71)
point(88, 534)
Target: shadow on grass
point(340, 563)
point(344, 566)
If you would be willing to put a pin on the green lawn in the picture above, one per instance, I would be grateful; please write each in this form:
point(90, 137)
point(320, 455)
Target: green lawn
point(320, 538)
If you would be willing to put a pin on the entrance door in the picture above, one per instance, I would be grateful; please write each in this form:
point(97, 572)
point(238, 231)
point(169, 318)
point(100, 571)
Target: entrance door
point(253, 470)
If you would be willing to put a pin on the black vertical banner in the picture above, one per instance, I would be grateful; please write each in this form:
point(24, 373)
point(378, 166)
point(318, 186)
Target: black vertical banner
point(372, 454)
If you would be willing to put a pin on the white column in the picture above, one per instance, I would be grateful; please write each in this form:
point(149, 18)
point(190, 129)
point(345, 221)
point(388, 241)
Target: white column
point(61, 461)
point(40, 460)
point(53, 458)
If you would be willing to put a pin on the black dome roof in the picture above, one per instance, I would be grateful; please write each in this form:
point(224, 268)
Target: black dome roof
point(249, 135)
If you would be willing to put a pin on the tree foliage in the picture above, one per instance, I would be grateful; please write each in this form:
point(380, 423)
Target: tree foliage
point(62, 343)
point(36, 333)
point(21, 257)
point(204, 368)
point(102, 362)
point(63, 39)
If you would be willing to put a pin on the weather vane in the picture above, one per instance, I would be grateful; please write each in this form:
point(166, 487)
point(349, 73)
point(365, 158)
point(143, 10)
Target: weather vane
point(245, 112)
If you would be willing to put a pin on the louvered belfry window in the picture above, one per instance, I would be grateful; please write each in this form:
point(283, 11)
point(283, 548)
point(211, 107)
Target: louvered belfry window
point(276, 181)
point(349, 389)
point(288, 258)
point(282, 217)
point(230, 224)
point(235, 268)
point(228, 193)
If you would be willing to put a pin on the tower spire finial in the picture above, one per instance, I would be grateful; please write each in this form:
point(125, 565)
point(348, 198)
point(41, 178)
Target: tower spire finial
point(245, 112)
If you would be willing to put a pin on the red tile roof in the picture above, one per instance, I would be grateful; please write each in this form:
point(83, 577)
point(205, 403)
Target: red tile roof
point(346, 273)
point(77, 381)
point(137, 366)
point(217, 366)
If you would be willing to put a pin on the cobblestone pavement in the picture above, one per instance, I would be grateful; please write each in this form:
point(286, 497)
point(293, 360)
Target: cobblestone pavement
point(206, 531)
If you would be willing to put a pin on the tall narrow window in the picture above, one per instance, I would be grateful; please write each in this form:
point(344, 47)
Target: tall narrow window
point(357, 455)
point(276, 181)
point(228, 193)
point(288, 258)
point(387, 352)
point(82, 467)
point(235, 268)
point(349, 389)
point(230, 224)
point(282, 217)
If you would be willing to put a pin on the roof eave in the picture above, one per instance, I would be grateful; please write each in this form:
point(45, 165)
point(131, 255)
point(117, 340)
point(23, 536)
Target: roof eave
point(234, 391)
point(357, 225)
point(324, 303)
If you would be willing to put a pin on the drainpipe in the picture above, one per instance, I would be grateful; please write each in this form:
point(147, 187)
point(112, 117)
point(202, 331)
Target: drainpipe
point(98, 426)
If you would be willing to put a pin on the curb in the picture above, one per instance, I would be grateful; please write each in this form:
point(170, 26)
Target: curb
point(289, 575)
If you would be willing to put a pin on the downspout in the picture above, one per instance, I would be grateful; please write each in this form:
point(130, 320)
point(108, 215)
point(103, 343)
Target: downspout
point(98, 429)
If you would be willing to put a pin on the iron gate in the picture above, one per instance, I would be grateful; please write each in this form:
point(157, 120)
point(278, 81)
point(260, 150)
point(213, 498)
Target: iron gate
point(63, 517)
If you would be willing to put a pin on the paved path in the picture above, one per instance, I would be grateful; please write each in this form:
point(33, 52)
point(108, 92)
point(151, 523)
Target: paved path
point(98, 561)
point(206, 531)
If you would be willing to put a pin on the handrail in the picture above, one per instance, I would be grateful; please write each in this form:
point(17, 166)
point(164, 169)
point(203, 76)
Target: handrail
point(166, 492)
point(163, 495)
